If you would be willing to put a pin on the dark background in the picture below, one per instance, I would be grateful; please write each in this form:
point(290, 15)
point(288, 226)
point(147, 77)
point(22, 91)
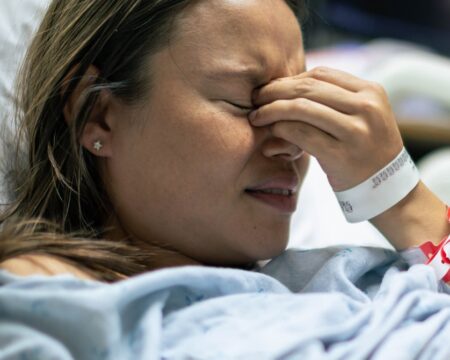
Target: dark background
point(423, 22)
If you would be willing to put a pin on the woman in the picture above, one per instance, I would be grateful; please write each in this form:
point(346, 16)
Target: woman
point(175, 132)
point(164, 132)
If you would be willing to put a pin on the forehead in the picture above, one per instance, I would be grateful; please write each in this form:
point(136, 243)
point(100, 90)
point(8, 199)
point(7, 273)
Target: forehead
point(263, 36)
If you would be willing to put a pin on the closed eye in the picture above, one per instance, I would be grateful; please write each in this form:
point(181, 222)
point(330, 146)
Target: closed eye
point(241, 107)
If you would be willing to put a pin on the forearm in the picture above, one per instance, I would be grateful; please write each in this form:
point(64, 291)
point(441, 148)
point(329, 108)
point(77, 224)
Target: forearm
point(418, 218)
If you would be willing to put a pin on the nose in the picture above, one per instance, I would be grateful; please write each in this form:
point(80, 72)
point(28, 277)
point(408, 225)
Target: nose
point(275, 147)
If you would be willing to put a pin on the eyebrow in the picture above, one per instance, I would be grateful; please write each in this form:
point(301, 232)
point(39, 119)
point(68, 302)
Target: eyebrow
point(251, 75)
point(255, 76)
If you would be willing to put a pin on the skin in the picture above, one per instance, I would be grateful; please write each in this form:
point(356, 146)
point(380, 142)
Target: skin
point(176, 173)
point(44, 265)
point(177, 163)
point(348, 125)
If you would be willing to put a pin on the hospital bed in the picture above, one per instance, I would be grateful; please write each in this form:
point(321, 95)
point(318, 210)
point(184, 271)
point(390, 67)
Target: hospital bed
point(318, 221)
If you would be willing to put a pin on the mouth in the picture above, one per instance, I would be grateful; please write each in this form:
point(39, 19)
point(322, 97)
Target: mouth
point(282, 200)
point(278, 192)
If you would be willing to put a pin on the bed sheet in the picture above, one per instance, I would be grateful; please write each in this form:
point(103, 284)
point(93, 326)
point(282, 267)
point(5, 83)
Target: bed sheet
point(336, 303)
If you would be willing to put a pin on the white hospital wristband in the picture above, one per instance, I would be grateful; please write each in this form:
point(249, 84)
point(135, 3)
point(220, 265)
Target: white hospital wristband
point(381, 191)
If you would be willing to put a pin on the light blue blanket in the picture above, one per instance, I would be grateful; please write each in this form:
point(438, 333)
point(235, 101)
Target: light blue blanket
point(335, 303)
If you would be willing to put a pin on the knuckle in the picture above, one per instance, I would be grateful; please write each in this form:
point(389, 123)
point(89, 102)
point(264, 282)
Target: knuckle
point(305, 85)
point(320, 72)
point(361, 130)
point(370, 106)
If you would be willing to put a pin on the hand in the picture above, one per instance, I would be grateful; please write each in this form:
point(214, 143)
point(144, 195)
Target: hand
point(345, 122)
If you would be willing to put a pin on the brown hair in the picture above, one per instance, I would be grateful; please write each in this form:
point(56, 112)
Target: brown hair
point(59, 203)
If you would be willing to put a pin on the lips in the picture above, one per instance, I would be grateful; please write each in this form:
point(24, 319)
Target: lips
point(278, 192)
point(287, 182)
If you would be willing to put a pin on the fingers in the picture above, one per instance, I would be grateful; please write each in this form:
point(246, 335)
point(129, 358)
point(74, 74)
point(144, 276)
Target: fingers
point(303, 110)
point(338, 78)
point(319, 91)
point(345, 122)
point(307, 137)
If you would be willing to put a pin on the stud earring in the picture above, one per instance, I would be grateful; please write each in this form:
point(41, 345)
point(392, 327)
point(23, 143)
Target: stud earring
point(98, 145)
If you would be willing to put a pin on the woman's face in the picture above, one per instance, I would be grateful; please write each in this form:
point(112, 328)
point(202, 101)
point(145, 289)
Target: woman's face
point(183, 159)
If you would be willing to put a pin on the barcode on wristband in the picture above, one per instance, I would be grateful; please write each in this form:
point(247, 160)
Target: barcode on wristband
point(381, 191)
point(391, 170)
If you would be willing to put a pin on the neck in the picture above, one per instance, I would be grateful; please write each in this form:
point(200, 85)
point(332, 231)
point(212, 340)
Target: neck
point(159, 257)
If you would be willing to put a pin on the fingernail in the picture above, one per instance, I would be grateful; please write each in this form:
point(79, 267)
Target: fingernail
point(252, 115)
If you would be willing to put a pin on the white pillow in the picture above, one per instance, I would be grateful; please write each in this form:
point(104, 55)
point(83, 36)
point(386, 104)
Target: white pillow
point(18, 20)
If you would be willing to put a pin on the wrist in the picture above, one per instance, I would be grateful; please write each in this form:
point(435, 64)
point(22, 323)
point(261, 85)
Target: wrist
point(381, 191)
point(414, 220)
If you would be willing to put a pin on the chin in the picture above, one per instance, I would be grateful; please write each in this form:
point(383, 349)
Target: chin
point(272, 252)
point(268, 248)
point(247, 246)
point(250, 255)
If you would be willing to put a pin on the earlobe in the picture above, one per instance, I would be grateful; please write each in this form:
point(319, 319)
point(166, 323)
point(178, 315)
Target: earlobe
point(96, 136)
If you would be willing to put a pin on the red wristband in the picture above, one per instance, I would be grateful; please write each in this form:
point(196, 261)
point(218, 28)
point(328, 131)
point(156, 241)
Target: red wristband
point(439, 255)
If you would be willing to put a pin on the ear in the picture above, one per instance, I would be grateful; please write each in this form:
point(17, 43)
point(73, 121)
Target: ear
point(96, 136)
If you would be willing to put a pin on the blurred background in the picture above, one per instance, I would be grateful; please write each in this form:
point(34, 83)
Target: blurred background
point(421, 22)
point(405, 46)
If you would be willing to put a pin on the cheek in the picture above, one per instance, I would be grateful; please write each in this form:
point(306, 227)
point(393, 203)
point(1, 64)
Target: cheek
point(188, 156)
point(230, 138)
point(182, 172)
point(213, 144)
